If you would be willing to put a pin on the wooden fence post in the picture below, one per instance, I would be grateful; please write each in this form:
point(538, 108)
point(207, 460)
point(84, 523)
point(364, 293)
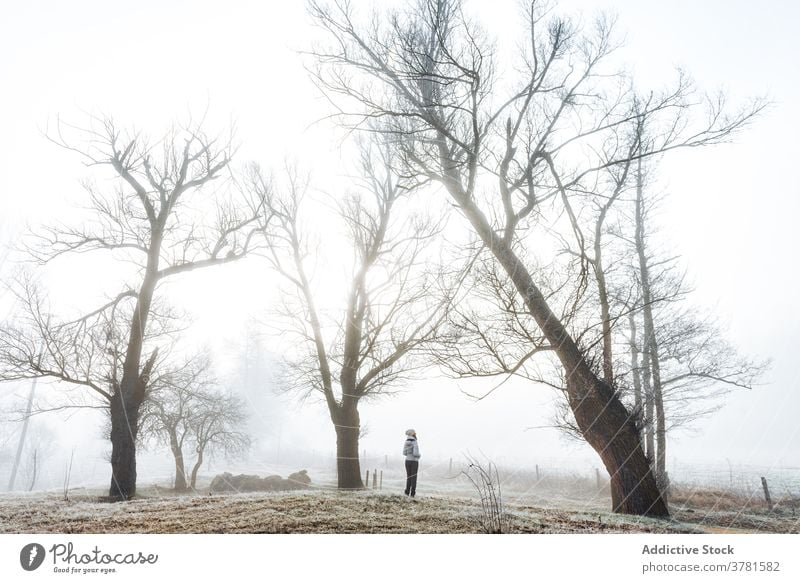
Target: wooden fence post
point(374, 479)
point(766, 492)
point(381, 484)
point(366, 482)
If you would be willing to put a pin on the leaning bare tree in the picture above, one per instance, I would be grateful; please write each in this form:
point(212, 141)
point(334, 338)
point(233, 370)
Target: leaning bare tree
point(163, 217)
point(507, 151)
point(368, 346)
point(669, 361)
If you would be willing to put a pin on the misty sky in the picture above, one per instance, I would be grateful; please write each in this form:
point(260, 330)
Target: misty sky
point(732, 210)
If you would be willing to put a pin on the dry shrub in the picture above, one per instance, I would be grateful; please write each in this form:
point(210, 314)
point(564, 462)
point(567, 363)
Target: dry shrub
point(493, 518)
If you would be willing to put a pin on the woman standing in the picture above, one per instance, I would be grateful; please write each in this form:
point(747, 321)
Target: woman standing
point(411, 451)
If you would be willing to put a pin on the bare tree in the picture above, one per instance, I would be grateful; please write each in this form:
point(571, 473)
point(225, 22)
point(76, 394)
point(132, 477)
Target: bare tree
point(216, 423)
point(185, 410)
point(506, 156)
point(167, 414)
point(22, 438)
point(687, 364)
point(652, 361)
point(25, 444)
point(615, 182)
point(156, 218)
point(38, 449)
point(391, 312)
point(647, 291)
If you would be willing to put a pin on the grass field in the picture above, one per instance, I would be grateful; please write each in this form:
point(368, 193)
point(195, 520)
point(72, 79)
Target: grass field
point(327, 511)
point(546, 502)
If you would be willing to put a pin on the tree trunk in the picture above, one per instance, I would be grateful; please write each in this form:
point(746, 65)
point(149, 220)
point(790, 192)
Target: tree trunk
point(661, 444)
point(638, 402)
point(650, 447)
point(602, 418)
point(651, 344)
point(35, 472)
point(22, 436)
point(180, 466)
point(196, 468)
point(130, 391)
point(348, 468)
point(605, 308)
point(611, 431)
point(657, 398)
point(124, 426)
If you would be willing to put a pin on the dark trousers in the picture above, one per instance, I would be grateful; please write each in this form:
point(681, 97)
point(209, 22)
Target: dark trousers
point(411, 477)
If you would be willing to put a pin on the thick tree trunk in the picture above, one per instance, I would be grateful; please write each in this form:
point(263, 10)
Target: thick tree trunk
point(348, 468)
point(130, 391)
point(124, 426)
point(602, 418)
point(611, 431)
point(196, 468)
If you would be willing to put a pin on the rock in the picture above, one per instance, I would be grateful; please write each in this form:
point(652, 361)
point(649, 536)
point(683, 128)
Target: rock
point(273, 483)
point(222, 483)
point(300, 479)
point(227, 482)
point(245, 483)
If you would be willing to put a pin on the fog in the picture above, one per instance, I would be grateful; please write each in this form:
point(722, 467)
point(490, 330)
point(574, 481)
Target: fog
point(730, 214)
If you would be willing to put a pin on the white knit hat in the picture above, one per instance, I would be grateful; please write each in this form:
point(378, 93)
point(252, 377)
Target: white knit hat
point(410, 432)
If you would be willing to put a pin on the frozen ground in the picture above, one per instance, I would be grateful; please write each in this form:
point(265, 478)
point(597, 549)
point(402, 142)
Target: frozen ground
point(539, 502)
point(329, 511)
point(308, 512)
